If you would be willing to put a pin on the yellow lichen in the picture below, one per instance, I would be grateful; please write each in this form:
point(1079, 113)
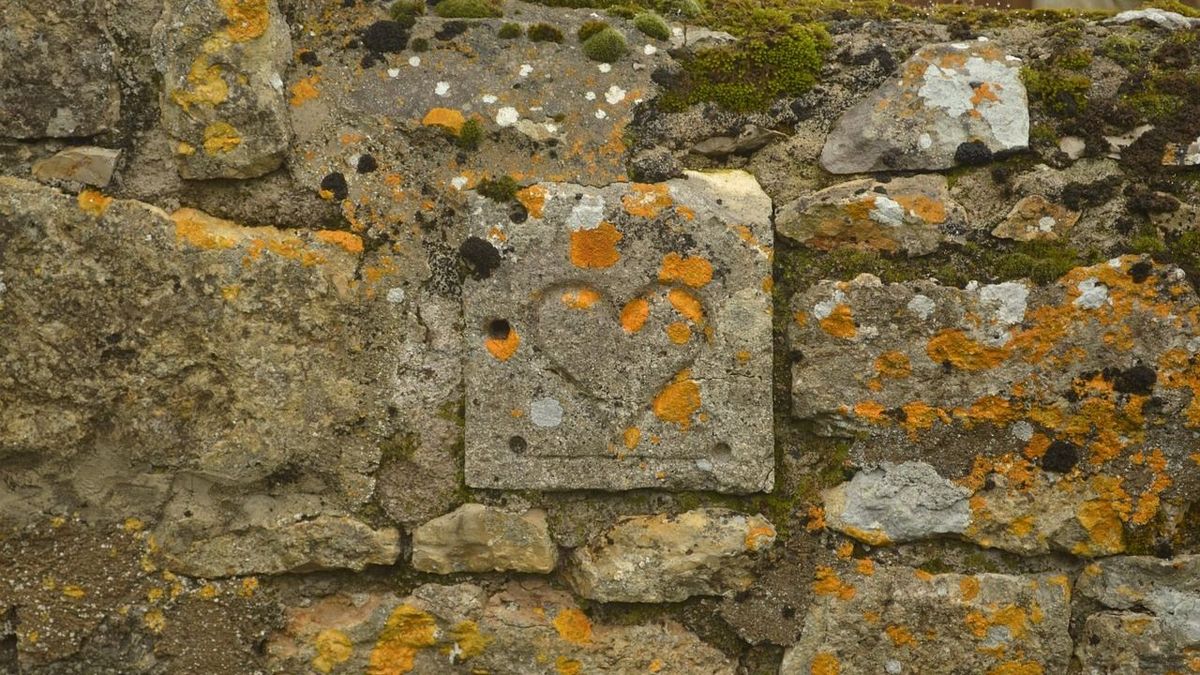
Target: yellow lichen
point(595, 248)
point(573, 626)
point(825, 663)
point(93, 202)
point(840, 323)
point(631, 437)
point(333, 647)
point(221, 138)
point(634, 315)
point(407, 631)
point(206, 86)
point(693, 270)
point(678, 400)
point(447, 118)
point(248, 19)
point(468, 641)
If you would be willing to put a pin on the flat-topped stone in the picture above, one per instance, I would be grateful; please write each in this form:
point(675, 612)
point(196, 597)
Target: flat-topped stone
point(620, 337)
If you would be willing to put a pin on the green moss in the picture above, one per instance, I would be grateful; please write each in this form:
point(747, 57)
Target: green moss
point(590, 28)
point(1073, 59)
point(607, 46)
point(652, 25)
point(1043, 135)
point(1124, 49)
point(509, 31)
point(1147, 243)
point(1042, 261)
point(502, 189)
point(1174, 6)
point(419, 45)
point(622, 11)
point(470, 135)
point(544, 32)
point(467, 9)
point(1060, 93)
point(405, 11)
point(754, 72)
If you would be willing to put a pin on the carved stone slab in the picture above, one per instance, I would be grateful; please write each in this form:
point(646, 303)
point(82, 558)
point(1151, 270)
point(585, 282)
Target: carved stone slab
point(620, 337)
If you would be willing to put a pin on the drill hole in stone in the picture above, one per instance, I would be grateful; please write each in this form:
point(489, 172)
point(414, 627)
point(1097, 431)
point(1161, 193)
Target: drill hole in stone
point(517, 444)
point(722, 450)
point(499, 329)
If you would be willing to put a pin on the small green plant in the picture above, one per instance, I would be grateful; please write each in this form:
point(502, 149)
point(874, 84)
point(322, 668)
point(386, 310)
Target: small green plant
point(509, 31)
point(466, 9)
point(1123, 49)
point(544, 32)
point(1073, 59)
point(419, 44)
point(606, 46)
point(622, 11)
point(405, 11)
point(502, 189)
point(590, 28)
point(470, 135)
point(652, 25)
point(1062, 94)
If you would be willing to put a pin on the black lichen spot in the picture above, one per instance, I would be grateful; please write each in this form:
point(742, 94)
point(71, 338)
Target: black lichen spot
point(385, 37)
point(1079, 195)
point(1140, 271)
point(367, 164)
point(480, 256)
point(1060, 457)
point(309, 58)
point(1136, 380)
point(972, 153)
point(336, 183)
point(517, 444)
point(451, 30)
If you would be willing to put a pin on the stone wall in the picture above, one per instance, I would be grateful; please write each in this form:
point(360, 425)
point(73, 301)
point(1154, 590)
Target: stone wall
point(341, 337)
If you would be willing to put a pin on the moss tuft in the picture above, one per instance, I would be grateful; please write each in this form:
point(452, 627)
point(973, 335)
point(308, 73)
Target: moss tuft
point(502, 189)
point(470, 135)
point(509, 31)
point(406, 11)
point(467, 9)
point(652, 25)
point(590, 28)
point(419, 45)
point(622, 11)
point(1124, 49)
point(1062, 94)
point(544, 32)
point(606, 46)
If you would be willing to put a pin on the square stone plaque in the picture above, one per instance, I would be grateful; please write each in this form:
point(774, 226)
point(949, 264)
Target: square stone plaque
point(620, 337)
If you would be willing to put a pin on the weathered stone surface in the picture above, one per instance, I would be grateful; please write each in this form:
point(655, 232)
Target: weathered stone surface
point(897, 502)
point(1035, 217)
point(1036, 399)
point(1159, 17)
point(57, 76)
point(951, 104)
point(902, 620)
point(666, 558)
point(522, 628)
point(1130, 643)
point(192, 361)
point(749, 139)
point(620, 337)
point(223, 100)
point(911, 215)
point(1182, 154)
point(478, 538)
point(86, 164)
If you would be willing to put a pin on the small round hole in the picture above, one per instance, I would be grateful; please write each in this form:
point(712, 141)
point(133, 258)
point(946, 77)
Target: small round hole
point(498, 329)
point(722, 449)
point(517, 444)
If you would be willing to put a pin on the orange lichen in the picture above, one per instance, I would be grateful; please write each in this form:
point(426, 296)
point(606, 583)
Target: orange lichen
point(828, 583)
point(573, 626)
point(845, 550)
point(93, 202)
point(352, 243)
point(686, 304)
point(305, 90)
point(646, 200)
point(968, 588)
point(825, 663)
point(926, 208)
point(954, 347)
point(840, 323)
point(693, 270)
point(447, 118)
point(407, 631)
point(893, 364)
point(1103, 517)
point(759, 536)
point(900, 636)
point(580, 298)
point(872, 411)
point(865, 566)
point(631, 437)
point(221, 138)
point(595, 248)
point(533, 198)
point(248, 19)
point(634, 314)
point(678, 401)
point(502, 348)
point(678, 332)
point(1018, 668)
point(872, 537)
point(566, 666)
point(919, 416)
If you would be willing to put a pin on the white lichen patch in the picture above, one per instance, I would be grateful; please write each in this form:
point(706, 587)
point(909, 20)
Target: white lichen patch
point(887, 211)
point(442, 88)
point(922, 306)
point(587, 213)
point(614, 95)
point(824, 308)
point(1007, 301)
point(507, 116)
point(546, 412)
point(1092, 294)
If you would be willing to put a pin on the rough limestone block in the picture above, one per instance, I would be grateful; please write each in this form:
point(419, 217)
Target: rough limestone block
point(522, 627)
point(87, 165)
point(897, 502)
point(223, 101)
point(1066, 409)
point(912, 215)
point(950, 104)
point(665, 558)
point(620, 337)
point(478, 538)
point(903, 620)
point(57, 76)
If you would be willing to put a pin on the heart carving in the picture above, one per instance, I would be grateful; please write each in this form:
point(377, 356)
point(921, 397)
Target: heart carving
point(622, 353)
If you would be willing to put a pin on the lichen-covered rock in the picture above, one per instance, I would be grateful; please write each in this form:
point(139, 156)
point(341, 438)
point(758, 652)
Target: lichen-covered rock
point(1130, 643)
point(665, 558)
point(1035, 217)
point(1159, 17)
point(897, 502)
point(83, 164)
point(956, 103)
point(223, 100)
point(1065, 409)
point(619, 338)
point(521, 628)
point(902, 620)
point(910, 215)
point(478, 538)
point(57, 72)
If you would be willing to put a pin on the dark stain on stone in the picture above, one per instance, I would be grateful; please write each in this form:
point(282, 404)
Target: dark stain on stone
point(1136, 380)
point(499, 329)
point(1140, 271)
point(517, 213)
point(387, 37)
point(480, 256)
point(367, 164)
point(336, 183)
point(309, 58)
point(972, 153)
point(451, 30)
point(1060, 457)
point(517, 444)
